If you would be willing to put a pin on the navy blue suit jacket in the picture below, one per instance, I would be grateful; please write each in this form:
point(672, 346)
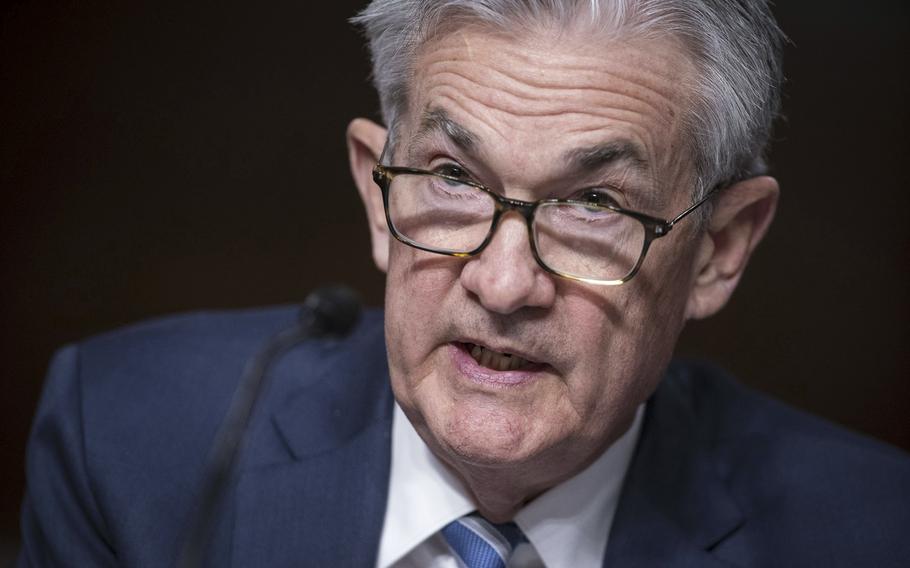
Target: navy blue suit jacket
point(721, 476)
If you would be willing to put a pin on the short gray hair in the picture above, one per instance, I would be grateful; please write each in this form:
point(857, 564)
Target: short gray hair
point(734, 44)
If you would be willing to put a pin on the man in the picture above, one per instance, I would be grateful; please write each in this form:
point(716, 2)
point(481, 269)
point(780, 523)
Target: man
point(562, 185)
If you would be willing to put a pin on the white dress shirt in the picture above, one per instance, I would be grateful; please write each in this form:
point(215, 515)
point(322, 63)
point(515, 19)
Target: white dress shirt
point(566, 527)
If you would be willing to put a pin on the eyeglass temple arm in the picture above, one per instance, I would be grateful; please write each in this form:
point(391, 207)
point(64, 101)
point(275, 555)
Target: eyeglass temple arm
point(692, 208)
point(385, 149)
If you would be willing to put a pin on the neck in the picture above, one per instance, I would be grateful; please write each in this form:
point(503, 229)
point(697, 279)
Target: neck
point(500, 491)
point(499, 496)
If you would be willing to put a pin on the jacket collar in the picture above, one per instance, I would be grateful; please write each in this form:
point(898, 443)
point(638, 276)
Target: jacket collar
point(315, 487)
point(675, 506)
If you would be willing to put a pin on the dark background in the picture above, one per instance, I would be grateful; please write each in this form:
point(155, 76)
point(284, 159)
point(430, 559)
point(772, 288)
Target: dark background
point(157, 157)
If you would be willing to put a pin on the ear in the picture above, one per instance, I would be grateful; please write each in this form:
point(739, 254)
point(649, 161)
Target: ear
point(365, 141)
point(741, 216)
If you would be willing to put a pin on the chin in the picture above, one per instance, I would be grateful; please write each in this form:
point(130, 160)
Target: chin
point(491, 438)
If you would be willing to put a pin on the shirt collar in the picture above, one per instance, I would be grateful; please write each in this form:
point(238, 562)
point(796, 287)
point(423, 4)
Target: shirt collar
point(568, 525)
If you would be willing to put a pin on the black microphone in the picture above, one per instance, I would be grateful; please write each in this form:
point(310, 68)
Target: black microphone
point(330, 312)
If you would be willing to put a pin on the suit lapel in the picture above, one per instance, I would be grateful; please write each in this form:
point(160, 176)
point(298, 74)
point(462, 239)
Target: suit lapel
point(324, 510)
point(675, 506)
point(315, 487)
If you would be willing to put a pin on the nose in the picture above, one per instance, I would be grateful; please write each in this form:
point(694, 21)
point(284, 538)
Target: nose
point(505, 277)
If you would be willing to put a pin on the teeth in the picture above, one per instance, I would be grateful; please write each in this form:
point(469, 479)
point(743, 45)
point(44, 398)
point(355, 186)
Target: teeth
point(496, 360)
point(486, 358)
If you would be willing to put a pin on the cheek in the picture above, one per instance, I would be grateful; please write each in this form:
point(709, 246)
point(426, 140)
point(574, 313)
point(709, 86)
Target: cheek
point(417, 287)
point(417, 284)
point(415, 275)
point(624, 338)
point(654, 320)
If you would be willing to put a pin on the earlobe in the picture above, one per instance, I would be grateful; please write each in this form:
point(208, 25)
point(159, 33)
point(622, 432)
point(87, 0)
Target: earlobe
point(365, 141)
point(740, 219)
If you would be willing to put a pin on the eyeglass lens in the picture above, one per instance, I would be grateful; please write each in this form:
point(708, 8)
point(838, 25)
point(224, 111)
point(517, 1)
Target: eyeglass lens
point(585, 241)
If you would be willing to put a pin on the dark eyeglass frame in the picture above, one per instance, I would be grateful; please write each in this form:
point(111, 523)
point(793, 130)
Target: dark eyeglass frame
point(654, 227)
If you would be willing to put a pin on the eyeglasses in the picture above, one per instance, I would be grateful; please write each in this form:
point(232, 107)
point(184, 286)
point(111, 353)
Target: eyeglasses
point(579, 239)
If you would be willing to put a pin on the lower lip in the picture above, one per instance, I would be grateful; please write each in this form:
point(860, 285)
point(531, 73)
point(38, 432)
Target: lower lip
point(477, 373)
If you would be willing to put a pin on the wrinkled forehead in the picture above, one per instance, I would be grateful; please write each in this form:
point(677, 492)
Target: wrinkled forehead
point(536, 96)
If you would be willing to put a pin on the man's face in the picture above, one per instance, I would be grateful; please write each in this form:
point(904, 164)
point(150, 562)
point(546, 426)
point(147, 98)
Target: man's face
point(516, 114)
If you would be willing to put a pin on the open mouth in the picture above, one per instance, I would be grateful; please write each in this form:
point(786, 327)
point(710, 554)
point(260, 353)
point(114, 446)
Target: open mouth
point(497, 360)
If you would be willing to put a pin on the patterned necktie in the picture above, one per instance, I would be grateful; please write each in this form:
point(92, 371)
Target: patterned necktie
point(481, 544)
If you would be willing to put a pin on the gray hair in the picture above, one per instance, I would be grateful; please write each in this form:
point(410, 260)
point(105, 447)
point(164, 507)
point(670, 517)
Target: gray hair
point(734, 44)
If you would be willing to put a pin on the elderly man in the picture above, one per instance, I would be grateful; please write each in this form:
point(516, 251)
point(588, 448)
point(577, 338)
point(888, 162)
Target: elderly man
point(559, 188)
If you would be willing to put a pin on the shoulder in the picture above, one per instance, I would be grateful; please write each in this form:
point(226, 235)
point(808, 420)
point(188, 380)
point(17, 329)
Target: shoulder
point(730, 413)
point(127, 419)
point(798, 479)
point(170, 380)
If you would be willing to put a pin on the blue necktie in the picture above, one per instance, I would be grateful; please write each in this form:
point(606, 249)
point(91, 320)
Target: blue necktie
point(481, 544)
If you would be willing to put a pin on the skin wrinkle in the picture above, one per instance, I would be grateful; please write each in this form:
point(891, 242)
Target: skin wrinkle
point(435, 120)
point(438, 120)
point(594, 156)
point(579, 64)
point(578, 76)
point(518, 106)
point(647, 198)
point(633, 184)
point(554, 114)
point(606, 158)
point(641, 72)
point(472, 86)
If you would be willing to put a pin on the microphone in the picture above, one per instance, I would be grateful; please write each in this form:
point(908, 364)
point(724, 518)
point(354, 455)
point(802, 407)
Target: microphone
point(329, 312)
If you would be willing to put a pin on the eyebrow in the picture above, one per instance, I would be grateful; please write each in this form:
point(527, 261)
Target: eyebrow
point(435, 121)
point(584, 160)
point(599, 156)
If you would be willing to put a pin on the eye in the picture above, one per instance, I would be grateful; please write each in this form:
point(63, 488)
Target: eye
point(456, 176)
point(452, 170)
point(596, 197)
